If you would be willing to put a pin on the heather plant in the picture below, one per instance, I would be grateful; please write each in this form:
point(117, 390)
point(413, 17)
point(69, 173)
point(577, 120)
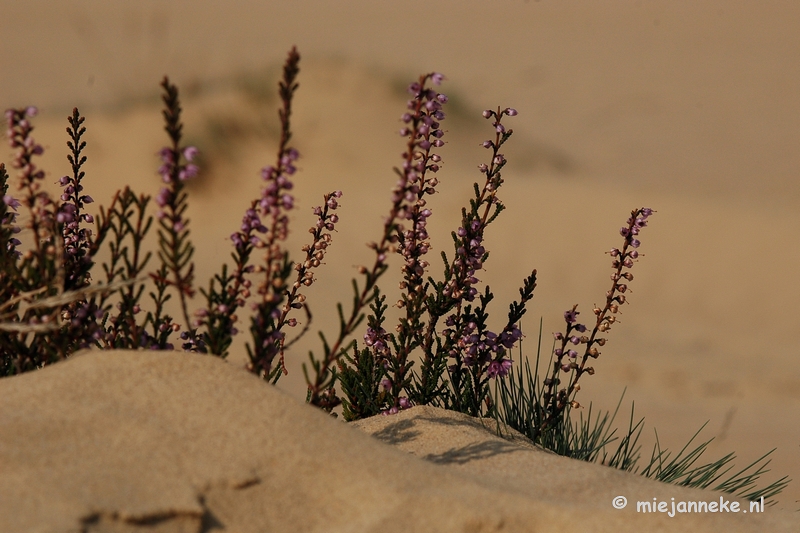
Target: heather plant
point(474, 353)
point(441, 352)
point(40, 326)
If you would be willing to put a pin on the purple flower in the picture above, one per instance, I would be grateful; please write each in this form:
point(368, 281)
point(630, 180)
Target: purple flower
point(571, 316)
point(190, 152)
point(188, 172)
point(11, 202)
point(268, 173)
point(509, 337)
point(163, 197)
point(166, 155)
point(499, 368)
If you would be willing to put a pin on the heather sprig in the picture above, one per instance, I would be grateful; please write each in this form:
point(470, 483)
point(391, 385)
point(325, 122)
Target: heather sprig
point(422, 131)
point(175, 248)
point(362, 377)
point(8, 230)
point(478, 353)
point(12, 282)
point(417, 180)
point(272, 315)
point(566, 356)
point(77, 240)
point(265, 227)
point(35, 273)
point(484, 208)
point(46, 317)
point(125, 224)
point(40, 206)
point(275, 202)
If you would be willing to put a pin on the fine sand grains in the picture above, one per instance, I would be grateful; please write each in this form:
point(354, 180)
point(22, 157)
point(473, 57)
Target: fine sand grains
point(180, 442)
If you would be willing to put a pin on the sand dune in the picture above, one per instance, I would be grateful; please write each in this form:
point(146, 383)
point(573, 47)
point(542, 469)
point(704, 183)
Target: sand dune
point(178, 442)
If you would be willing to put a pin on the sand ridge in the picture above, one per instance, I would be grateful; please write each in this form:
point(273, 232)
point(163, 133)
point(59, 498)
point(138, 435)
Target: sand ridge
point(172, 442)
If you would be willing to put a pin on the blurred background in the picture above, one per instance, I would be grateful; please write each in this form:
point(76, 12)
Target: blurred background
point(690, 108)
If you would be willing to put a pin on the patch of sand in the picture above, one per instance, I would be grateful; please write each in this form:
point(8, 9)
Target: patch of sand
point(178, 442)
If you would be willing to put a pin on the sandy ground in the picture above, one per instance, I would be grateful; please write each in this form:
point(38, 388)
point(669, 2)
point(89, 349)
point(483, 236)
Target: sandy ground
point(689, 109)
point(177, 442)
